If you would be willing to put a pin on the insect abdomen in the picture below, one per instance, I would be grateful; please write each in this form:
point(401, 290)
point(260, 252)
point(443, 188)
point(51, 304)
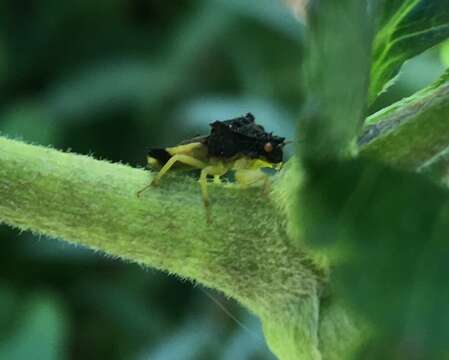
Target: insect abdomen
point(158, 157)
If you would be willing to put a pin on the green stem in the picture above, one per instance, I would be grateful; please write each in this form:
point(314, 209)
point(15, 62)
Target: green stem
point(244, 252)
point(411, 132)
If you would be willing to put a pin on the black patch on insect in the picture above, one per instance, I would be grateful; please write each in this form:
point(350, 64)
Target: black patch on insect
point(242, 136)
point(160, 155)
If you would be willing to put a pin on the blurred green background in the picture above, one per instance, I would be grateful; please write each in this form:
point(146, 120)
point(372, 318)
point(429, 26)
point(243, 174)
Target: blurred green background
point(111, 78)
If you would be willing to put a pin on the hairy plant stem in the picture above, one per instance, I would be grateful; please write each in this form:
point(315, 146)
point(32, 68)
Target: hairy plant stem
point(411, 132)
point(244, 252)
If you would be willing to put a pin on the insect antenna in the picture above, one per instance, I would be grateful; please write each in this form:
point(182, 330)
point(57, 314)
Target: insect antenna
point(288, 142)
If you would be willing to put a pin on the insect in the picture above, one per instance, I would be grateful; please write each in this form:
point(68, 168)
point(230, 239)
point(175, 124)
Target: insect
point(237, 144)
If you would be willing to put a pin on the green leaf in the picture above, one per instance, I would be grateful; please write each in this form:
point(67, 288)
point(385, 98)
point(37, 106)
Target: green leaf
point(386, 234)
point(336, 87)
point(406, 28)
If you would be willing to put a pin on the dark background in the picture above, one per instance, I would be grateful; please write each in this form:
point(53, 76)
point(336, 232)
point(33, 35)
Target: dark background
point(111, 78)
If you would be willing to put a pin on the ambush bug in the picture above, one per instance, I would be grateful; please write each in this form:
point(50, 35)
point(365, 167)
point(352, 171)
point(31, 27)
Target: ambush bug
point(238, 145)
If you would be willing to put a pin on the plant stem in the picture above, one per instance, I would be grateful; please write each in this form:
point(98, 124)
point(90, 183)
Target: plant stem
point(244, 252)
point(411, 132)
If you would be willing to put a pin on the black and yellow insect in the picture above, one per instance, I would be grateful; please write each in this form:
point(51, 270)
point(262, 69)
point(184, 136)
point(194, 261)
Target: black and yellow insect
point(238, 144)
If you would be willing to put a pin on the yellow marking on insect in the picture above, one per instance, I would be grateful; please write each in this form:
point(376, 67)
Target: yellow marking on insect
point(248, 172)
point(153, 163)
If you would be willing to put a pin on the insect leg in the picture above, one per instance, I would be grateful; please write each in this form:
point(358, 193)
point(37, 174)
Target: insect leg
point(203, 185)
point(184, 159)
point(216, 171)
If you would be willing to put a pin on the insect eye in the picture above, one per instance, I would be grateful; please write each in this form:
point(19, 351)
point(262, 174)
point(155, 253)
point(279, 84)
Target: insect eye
point(268, 147)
